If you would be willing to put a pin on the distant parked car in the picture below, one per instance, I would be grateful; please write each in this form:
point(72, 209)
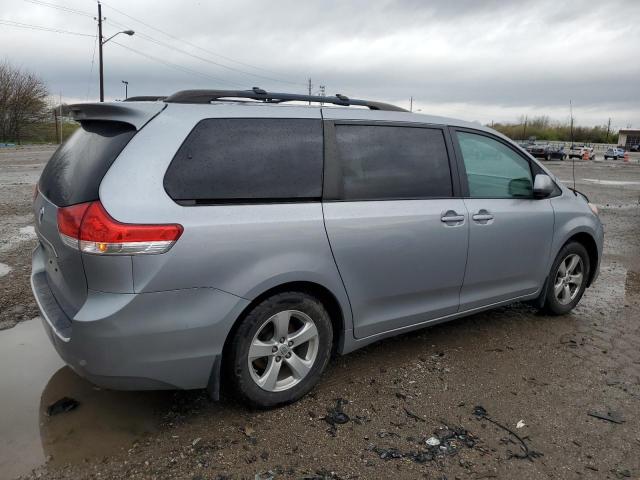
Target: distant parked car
point(557, 153)
point(635, 148)
point(577, 151)
point(614, 153)
point(548, 152)
point(538, 150)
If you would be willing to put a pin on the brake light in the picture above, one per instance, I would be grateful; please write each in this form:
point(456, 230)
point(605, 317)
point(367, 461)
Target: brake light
point(89, 228)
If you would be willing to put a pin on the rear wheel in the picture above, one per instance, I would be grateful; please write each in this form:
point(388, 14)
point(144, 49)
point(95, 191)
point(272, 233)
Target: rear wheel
point(568, 279)
point(280, 349)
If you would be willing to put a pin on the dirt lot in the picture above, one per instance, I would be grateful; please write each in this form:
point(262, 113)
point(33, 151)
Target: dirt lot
point(537, 379)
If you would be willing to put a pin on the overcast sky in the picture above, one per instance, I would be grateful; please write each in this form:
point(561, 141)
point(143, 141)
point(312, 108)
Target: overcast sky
point(472, 59)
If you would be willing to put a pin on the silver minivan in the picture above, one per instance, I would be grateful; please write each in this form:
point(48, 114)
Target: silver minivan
point(238, 239)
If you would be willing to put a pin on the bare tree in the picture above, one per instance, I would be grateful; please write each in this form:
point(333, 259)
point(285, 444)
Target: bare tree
point(22, 102)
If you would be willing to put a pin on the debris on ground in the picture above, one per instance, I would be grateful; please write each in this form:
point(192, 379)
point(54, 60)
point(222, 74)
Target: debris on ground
point(433, 442)
point(410, 414)
point(336, 416)
point(445, 441)
point(64, 405)
point(612, 417)
point(481, 413)
point(621, 473)
point(521, 424)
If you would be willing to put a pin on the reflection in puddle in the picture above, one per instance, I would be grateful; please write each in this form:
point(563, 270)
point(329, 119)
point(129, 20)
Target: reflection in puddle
point(32, 376)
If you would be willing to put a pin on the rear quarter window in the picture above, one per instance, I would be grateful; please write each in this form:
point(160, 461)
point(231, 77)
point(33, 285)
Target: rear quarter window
point(74, 172)
point(248, 160)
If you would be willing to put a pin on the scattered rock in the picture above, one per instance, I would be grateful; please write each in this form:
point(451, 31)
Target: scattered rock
point(433, 441)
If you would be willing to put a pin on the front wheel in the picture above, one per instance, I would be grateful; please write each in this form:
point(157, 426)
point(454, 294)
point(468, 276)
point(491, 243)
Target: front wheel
point(280, 349)
point(568, 279)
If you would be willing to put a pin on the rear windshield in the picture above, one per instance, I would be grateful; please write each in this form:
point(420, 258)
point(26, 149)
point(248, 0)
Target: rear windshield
point(75, 170)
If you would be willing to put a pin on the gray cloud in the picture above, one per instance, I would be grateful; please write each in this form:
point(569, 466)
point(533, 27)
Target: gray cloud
point(484, 60)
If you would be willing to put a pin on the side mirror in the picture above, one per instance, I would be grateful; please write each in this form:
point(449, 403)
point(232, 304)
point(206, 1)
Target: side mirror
point(542, 186)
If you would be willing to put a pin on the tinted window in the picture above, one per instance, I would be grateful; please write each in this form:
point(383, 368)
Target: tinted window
point(382, 162)
point(248, 159)
point(493, 169)
point(75, 170)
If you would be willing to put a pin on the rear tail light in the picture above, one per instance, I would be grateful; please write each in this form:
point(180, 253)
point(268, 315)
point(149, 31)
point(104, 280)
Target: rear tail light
point(89, 228)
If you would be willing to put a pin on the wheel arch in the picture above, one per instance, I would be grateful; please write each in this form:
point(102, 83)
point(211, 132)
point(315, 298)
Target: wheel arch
point(335, 310)
point(589, 243)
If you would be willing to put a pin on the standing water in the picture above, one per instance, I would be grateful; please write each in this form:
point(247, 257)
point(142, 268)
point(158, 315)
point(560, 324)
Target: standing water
point(32, 377)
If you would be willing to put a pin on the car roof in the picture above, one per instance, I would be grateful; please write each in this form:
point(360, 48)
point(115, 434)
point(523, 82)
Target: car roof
point(138, 113)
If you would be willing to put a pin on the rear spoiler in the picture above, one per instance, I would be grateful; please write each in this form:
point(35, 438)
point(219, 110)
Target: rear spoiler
point(136, 114)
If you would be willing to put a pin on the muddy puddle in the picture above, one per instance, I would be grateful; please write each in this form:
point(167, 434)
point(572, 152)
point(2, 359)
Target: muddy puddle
point(32, 378)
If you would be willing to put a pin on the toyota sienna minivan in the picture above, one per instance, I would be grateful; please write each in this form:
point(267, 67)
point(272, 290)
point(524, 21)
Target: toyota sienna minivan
point(235, 240)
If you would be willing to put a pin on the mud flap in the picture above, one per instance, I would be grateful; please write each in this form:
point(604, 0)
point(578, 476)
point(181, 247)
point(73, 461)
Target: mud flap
point(541, 300)
point(213, 387)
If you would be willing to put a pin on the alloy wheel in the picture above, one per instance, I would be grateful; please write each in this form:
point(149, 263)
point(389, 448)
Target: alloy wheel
point(283, 351)
point(568, 279)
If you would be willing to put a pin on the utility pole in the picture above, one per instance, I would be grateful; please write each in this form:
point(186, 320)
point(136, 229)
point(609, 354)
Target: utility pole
point(310, 86)
point(571, 115)
point(608, 129)
point(101, 42)
point(100, 51)
point(411, 104)
point(55, 120)
point(60, 116)
point(524, 130)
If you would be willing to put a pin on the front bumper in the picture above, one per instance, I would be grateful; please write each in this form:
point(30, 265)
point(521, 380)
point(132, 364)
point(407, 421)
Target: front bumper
point(146, 341)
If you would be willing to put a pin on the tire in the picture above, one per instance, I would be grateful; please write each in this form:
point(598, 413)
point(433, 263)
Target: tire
point(563, 294)
point(285, 375)
point(547, 157)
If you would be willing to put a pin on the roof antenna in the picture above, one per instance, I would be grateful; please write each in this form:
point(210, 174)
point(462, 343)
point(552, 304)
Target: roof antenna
point(573, 159)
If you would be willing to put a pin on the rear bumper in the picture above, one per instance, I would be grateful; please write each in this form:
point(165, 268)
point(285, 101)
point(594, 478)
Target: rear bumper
point(146, 341)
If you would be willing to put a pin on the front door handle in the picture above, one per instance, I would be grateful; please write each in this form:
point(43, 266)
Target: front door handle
point(482, 216)
point(451, 216)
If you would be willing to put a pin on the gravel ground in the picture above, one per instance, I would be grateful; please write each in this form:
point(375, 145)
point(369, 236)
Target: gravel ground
point(536, 378)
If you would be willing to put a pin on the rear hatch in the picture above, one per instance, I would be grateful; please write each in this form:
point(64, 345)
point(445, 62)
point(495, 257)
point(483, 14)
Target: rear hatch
point(73, 176)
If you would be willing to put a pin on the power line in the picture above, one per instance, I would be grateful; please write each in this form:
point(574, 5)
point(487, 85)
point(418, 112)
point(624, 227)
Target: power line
point(174, 65)
point(179, 50)
point(29, 26)
point(93, 58)
point(206, 50)
point(172, 47)
point(60, 7)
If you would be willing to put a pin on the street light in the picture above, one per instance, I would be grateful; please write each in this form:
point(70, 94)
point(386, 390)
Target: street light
point(126, 89)
point(102, 42)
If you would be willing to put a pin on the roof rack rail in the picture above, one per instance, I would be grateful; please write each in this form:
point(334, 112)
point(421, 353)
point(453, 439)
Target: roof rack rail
point(145, 98)
point(208, 96)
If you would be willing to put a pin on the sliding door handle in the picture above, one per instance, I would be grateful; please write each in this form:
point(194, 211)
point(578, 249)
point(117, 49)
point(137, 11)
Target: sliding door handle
point(451, 216)
point(480, 217)
point(483, 216)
